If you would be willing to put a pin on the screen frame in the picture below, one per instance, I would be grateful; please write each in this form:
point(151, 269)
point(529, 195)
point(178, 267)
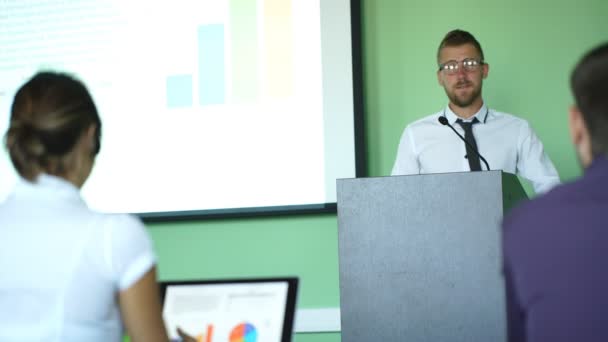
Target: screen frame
point(290, 304)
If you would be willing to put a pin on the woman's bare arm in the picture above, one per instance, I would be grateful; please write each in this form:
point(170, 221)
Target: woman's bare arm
point(141, 310)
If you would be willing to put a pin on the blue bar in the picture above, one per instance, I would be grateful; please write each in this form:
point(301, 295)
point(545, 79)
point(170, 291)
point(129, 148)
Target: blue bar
point(179, 91)
point(212, 69)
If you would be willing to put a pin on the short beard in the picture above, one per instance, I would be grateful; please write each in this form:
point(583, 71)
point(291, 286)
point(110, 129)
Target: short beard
point(463, 103)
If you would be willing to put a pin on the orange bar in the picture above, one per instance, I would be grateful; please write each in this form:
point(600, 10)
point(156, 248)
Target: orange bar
point(278, 47)
point(209, 335)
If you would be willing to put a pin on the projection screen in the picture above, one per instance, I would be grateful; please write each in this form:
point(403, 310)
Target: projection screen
point(208, 106)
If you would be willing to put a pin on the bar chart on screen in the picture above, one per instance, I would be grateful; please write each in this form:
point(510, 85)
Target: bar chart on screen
point(260, 44)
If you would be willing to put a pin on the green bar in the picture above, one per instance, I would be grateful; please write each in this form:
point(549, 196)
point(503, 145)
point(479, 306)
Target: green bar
point(244, 45)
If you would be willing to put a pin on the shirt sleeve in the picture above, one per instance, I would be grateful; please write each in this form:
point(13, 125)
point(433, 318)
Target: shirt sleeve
point(406, 162)
point(129, 250)
point(533, 163)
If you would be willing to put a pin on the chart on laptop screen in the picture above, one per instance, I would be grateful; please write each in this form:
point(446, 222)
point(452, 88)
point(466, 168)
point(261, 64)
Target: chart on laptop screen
point(234, 312)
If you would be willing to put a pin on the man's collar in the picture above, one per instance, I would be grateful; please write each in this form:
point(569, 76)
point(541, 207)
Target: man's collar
point(481, 115)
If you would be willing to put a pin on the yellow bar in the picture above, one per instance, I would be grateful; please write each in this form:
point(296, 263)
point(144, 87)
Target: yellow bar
point(278, 47)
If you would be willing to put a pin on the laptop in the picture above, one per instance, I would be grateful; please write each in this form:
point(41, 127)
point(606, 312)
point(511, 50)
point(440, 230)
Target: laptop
point(231, 310)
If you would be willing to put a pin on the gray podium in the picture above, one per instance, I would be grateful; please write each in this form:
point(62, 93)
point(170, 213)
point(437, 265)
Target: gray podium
point(420, 256)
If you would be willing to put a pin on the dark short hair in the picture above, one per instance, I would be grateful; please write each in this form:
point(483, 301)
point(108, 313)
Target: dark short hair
point(48, 115)
point(457, 38)
point(589, 82)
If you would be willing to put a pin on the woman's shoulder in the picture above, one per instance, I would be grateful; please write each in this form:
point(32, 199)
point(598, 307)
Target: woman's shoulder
point(121, 229)
point(125, 221)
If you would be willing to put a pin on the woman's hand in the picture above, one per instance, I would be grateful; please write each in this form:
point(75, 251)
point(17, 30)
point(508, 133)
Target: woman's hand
point(187, 338)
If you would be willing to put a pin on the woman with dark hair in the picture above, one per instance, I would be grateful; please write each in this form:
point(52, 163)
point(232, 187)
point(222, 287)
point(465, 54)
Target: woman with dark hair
point(68, 273)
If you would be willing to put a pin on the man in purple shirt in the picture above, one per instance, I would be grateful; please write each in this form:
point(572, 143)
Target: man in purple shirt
point(556, 246)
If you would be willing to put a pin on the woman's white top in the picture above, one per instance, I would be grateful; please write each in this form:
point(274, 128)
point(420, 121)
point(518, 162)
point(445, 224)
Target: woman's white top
point(62, 264)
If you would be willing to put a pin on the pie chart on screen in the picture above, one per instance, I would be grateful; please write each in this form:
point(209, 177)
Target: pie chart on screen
point(244, 332)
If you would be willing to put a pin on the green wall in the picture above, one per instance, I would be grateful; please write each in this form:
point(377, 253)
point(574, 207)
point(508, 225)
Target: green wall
point(531, 47)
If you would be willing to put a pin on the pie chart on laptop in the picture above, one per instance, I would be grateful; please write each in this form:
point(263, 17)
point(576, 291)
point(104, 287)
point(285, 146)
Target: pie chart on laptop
point(244, 332)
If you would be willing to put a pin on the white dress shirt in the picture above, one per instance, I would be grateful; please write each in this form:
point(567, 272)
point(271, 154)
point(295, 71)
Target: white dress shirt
point(62, 265)
point(507, 142)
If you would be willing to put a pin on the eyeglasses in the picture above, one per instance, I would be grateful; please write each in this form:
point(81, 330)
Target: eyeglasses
point(468, 64)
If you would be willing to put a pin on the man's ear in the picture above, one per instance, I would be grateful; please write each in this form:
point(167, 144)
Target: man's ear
point(581, 137)
point(485, 70)
point(576, 122)
point(439, 78)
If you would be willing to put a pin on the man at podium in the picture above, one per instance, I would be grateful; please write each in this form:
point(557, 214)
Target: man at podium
point(508, 143)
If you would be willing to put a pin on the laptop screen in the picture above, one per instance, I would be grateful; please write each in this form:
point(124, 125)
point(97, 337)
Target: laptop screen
point(243, 310)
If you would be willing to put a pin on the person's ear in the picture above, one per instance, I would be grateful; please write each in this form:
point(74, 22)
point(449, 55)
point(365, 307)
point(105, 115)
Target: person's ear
point(577, 125)
point(90, 138)
point(581, 138)
point(485, 70)
point(439, 78)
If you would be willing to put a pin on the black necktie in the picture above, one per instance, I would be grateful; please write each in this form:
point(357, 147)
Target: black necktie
point(472, 156)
